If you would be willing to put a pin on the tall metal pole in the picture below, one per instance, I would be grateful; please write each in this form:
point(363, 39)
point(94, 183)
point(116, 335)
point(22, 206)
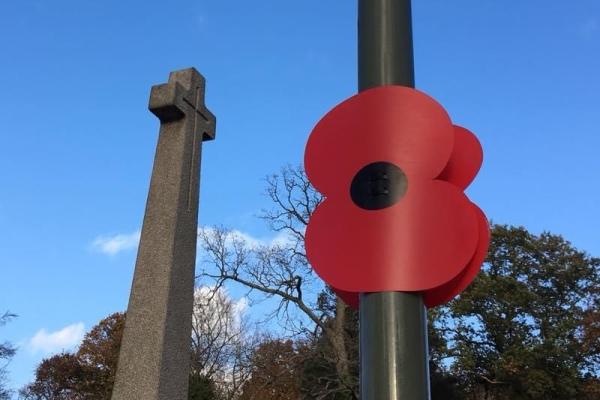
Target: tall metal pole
point(393, 325)
point(385, 48)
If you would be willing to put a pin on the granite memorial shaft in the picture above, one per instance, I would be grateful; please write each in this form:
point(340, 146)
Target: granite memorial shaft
point(155, 352)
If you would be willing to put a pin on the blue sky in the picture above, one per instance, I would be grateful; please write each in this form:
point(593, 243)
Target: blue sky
point(77, 141)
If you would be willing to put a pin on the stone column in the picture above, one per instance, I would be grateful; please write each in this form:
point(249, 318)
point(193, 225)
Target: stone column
point(154, 361)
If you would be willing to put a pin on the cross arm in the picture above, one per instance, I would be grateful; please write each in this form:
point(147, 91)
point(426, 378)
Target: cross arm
point(181, 96)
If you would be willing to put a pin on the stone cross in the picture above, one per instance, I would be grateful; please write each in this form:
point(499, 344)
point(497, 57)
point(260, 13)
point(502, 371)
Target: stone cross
point(154, 360)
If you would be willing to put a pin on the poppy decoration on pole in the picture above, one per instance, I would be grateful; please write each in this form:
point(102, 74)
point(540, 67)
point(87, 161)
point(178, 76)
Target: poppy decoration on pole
point(393, 170)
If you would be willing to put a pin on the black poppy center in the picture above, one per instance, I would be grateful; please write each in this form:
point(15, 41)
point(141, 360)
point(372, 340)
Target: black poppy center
point(378, 185)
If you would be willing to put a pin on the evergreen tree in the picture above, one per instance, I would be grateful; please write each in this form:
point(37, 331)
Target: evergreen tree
point(525, 328)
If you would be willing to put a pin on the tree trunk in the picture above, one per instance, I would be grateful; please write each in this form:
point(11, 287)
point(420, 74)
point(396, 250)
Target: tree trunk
point(337, 338)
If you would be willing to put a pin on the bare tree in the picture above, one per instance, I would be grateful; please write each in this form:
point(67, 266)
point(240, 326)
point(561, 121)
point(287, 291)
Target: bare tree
point(7, 351)
point(222, 342)
point(281, 271)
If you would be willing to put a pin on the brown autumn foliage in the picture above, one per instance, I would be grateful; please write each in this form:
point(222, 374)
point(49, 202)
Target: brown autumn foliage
point(276, 372)
point(87, 374)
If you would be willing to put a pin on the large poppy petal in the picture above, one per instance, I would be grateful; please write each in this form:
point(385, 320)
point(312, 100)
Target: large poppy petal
point(388, 123)
point(465, 160)
point(448, 291)
point(443, 294)
point(421, 242)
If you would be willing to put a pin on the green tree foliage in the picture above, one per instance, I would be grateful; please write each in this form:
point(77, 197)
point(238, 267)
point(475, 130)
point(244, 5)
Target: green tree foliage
point(527, 327)
point(444, 385)
point(202, 388)
point(7, 351)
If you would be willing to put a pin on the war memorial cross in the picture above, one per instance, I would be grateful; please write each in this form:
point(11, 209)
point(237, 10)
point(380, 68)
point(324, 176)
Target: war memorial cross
point(155, 352)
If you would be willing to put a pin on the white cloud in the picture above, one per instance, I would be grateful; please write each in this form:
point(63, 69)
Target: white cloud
point(240, 307)
point(112, 245)
point(53, 342)
point(216, 306)
point(281, 239)
point(205, 294)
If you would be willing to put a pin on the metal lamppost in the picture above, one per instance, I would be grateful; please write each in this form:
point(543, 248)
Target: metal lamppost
point(393, 325)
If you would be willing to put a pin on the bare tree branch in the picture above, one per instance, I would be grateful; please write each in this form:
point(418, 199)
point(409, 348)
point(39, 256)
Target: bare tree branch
point(281, 270)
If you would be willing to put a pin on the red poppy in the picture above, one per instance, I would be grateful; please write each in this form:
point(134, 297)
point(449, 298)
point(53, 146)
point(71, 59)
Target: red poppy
point(393, 169)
